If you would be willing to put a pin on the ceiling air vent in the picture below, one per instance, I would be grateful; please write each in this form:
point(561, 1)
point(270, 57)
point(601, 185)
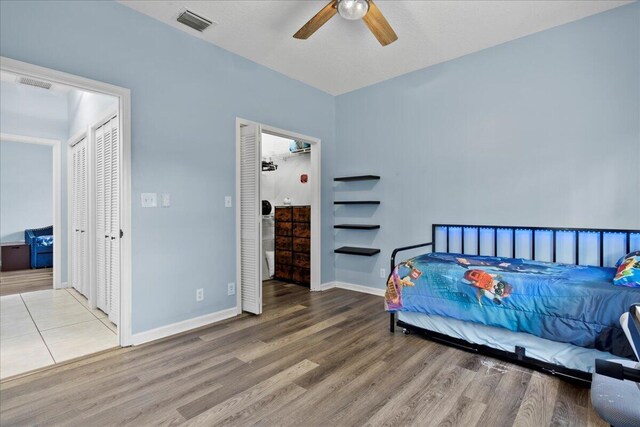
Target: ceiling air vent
point(194, 21)
point(33, 82)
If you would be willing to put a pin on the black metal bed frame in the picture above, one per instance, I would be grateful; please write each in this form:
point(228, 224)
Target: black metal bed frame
point(519, 355)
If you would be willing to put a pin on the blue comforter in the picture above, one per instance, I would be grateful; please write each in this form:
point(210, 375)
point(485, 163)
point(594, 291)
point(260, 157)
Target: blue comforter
point(566, 303)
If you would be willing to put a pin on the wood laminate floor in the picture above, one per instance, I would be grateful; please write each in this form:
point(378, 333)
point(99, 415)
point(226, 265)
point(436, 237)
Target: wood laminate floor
point(22, 281)
point(311, 359)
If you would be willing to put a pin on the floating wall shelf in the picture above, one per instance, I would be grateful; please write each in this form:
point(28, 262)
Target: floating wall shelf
point(352, 250)
point(357, 178)
point(357, 226)
point(356, 202)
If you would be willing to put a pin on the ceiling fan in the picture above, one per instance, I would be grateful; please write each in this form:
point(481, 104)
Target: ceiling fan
point(351, 10)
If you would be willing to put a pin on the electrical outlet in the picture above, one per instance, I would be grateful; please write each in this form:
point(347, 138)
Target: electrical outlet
point(227, 201)
point(231, 288)
point(199, 294)
point(383, 273)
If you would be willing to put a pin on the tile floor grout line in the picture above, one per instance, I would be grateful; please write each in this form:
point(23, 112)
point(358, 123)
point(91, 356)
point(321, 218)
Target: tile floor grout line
point(85, 306)
point(63, 326)
point(38, 329)
point(110, 330)
point(70, 324)
point(52, 360)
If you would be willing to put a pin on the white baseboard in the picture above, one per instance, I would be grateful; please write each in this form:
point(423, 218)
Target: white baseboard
point(360, 288)
point(325, 286)
point(63, 285)
point(183, 326)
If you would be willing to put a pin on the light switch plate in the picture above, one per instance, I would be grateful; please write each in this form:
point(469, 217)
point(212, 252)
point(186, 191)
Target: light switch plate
point(227, 201)
point(149, 200)
point(165, 200)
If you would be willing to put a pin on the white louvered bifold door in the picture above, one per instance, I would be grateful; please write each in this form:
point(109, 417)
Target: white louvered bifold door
point(250, 218)
point(101, 291)
point(107, 215)
point(108, 219)
point(114, 204)
point(75, 228)
point(79, 220)
point(83, 187)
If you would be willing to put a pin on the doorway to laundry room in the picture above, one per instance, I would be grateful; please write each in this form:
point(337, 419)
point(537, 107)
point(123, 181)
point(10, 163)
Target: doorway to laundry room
point(278, 215)
point(285, 193)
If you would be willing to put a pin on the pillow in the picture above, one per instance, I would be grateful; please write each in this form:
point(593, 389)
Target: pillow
point(636, 253)
point(628, 273)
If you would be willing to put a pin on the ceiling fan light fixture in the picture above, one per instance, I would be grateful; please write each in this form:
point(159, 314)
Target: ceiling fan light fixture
point(353, 9)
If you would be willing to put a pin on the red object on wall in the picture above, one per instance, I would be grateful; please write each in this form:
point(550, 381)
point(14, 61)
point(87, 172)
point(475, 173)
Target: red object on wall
point(304, 178)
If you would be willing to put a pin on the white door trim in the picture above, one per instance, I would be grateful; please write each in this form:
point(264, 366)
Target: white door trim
point(316, 222)
point(55, 144)
point(124, 102)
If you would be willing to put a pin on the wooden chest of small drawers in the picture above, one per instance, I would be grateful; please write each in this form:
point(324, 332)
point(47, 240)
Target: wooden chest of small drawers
point(293, 244)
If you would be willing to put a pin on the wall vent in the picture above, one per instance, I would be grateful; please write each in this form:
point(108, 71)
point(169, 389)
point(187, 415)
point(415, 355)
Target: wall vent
point(194, 21)
point(33, 82)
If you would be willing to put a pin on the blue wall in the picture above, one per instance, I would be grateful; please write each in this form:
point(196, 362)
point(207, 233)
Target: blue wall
point(186, 95)
point(26, 185)
point(543, 130)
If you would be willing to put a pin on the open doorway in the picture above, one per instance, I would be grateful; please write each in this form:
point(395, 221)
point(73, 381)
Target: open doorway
point(27, 214)
point(278, 213)
point(286, 212)
point(53, 308)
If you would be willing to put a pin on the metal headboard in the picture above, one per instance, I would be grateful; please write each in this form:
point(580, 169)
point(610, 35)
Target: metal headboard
point(601, 234)
point(631, 240)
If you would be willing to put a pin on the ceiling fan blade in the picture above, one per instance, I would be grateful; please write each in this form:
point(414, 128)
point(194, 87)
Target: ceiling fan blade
point(317, 21)
point(379, 25)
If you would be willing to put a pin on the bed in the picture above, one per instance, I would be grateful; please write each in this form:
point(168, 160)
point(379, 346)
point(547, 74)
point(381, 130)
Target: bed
point(542, 297)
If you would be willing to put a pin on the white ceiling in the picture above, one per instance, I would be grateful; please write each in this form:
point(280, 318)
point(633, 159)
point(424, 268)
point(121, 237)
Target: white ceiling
point(343, 55)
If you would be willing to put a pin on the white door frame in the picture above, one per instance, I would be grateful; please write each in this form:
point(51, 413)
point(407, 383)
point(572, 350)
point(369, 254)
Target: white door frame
point(124, 114)
point(57, 196)
point(315, 202)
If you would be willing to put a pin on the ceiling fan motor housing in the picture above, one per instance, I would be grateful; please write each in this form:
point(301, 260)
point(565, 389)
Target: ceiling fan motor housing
point(353, 9)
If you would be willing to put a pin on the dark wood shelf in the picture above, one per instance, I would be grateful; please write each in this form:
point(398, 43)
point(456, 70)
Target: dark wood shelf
point(357, 178)
point(357, 226)
point(352, 250)
point(357, 202)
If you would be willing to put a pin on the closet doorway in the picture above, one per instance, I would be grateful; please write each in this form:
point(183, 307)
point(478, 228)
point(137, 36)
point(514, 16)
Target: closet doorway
point(94, 206)
point(277, 212)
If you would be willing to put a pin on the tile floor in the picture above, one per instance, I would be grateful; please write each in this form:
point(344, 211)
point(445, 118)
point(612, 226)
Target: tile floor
point(45, 327)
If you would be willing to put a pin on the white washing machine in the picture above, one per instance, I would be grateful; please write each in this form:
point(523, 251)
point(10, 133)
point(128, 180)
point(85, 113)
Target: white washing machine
point(268, 236)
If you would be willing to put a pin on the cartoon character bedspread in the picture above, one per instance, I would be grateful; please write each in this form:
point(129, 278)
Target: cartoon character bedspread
point(566, 303)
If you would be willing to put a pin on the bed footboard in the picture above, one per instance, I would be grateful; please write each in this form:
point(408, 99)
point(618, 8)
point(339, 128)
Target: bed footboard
point(392, 315)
